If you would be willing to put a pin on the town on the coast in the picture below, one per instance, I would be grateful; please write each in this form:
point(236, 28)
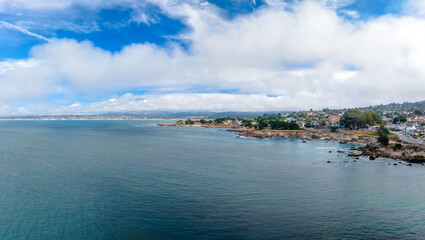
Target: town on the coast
point(395, 131)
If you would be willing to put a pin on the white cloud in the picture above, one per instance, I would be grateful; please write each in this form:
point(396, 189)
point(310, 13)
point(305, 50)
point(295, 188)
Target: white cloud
point(22, 30)
point(185, 102)
point(252, 55)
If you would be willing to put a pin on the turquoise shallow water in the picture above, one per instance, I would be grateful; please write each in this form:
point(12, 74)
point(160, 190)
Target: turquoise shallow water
point(134, 180)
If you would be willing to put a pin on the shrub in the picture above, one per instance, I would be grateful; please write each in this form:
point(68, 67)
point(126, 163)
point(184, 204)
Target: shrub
point(397, 146)
point(383, 139)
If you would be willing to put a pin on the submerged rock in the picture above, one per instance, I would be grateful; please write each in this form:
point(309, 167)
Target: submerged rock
point(354, 155)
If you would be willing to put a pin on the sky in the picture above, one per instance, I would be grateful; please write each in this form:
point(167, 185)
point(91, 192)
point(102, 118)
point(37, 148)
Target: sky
point(97, 56)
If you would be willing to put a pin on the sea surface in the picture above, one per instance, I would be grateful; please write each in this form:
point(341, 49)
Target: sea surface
point(135, 180)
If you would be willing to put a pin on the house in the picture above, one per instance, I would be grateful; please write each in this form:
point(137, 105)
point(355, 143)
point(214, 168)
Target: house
point(411, 130)
point(398, 127)
point(334, 119)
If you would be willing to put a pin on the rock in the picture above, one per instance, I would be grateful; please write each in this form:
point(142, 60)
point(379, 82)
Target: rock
point(329, 162)
point(395, 164)
point(354, 155)
point(357, 158)
point(372, 157)
point(330, 151)
point(340, 151)
point(409, 164)
point(304, 141)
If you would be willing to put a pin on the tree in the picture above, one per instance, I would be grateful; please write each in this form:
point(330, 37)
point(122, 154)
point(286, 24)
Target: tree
point(384, 140)
point(352, 119)
point(382, 130)
point(263, 124)
point(189, 122)
point(383, 133)
point(247, 123)
point(282, 125)
point(308, 124)
point(418, 112)
point(400, 119)
point(372, 117)
point(219, 120)
point(203, 121)
point(324, 122)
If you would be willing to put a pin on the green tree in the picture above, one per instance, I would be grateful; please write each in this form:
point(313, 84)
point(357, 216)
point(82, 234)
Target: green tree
point(219, 120)
point(372, 117)
point(263, 124)
point(247, 123)
point(189, 122)
point(384, 140)
point(383, 133)
point(308, 124)
point(400, 119)
point(352, 119)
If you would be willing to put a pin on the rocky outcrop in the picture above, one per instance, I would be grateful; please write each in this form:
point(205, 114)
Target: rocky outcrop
point(406, 153)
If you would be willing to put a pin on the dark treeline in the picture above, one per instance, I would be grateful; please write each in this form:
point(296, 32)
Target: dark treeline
point(354, 118)
point(275, 122)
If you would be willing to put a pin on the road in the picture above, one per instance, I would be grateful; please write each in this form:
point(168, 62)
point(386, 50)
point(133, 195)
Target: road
point(407, 139)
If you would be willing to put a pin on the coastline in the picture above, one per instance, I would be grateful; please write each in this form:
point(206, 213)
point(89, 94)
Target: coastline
point(371, 148)
point(88, 119)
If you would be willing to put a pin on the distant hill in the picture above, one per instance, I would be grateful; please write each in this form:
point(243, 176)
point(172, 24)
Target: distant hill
point(164, 114)
point(406, 106)
point(148, 115)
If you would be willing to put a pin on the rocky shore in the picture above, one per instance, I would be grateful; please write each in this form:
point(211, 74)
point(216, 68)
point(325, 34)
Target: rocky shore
point(342, 137)
point(411, 154)
point(371, 148)
point(197, 124)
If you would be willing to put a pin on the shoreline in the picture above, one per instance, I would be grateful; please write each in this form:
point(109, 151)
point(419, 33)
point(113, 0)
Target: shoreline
point(371, 148)
point(87, 119)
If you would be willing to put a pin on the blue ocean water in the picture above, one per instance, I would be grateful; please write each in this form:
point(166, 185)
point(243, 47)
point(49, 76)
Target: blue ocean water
point(135, 180)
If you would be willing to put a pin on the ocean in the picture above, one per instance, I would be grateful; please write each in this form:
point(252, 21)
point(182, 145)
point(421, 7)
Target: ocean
point(135, 180)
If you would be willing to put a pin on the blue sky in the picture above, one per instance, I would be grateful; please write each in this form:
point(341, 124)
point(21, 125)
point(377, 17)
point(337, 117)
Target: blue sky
point(111, 28)
point(77, 56)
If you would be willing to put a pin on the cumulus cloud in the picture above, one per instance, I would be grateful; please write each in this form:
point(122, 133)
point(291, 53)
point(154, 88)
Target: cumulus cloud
point(198, 101)
point(304, 57)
